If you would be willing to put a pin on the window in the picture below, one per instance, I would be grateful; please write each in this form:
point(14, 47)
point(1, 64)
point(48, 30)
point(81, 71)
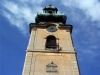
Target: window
point(51, 42)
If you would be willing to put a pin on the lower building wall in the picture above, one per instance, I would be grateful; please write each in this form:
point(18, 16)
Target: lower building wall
point(50, 64)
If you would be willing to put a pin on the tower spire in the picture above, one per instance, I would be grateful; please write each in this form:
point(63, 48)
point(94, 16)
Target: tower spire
point(50, 15)
point(50, 50)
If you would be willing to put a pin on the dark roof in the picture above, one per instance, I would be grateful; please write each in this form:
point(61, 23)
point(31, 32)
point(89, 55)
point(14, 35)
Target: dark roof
point(50, 7)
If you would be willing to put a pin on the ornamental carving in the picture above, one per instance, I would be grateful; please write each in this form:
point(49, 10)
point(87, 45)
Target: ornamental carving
point(51, 68)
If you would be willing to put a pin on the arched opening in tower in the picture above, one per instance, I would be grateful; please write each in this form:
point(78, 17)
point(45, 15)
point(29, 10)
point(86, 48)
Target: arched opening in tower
point(51, 42)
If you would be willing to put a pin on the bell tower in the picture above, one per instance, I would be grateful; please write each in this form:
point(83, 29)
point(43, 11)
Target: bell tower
point(50, 50)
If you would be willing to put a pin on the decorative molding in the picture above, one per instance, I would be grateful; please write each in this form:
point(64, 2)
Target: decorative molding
point(64, 26)
point(51, 68)
point(46, 51)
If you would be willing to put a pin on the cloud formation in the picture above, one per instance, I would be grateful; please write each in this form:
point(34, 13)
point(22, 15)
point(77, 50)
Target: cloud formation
point(89, 7)
point(23, 11)
point(21, 14)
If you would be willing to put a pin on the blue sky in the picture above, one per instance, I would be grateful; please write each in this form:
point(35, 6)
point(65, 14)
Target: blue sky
point(15, 16)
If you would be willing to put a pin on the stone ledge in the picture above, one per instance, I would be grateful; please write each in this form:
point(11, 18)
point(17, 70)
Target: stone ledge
point(47, 51)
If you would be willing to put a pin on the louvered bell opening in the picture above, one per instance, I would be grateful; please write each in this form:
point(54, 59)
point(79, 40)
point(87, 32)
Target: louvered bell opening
point(51, 42)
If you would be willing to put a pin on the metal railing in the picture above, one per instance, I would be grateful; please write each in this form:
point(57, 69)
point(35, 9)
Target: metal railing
point(52, 46)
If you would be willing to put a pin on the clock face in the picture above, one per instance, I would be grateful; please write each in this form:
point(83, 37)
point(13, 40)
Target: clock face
point(51, 28)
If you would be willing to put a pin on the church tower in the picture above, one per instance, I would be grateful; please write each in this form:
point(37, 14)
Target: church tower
point(50, 50)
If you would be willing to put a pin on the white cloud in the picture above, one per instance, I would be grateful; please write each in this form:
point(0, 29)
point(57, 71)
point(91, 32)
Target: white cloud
point(90, 7)
point(12, 7)
point(33, 1)
point(20, 15)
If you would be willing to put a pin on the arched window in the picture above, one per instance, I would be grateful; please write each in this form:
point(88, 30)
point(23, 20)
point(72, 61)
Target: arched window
point(51, 42)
